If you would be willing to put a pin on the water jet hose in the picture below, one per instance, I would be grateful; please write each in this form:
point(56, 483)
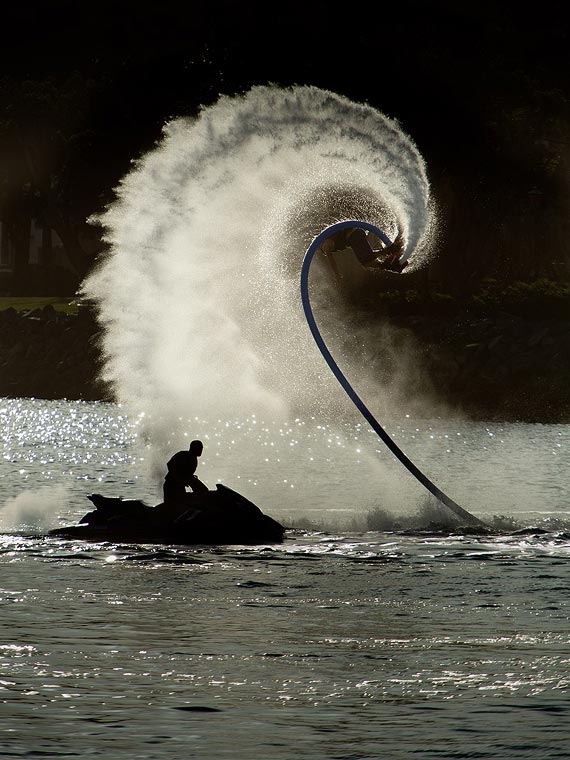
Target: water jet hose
point(362, 408)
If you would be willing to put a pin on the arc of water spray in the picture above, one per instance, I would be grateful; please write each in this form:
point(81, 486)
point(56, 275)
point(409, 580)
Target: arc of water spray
point(362, 408)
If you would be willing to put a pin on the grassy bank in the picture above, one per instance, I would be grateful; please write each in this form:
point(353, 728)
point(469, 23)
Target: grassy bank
point(66, 304)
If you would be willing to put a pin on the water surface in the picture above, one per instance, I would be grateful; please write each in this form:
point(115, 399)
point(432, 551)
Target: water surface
point(340, 643)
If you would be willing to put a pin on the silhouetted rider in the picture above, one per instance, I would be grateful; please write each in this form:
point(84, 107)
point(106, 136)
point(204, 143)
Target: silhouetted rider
point(181, 469)
point(384, 258)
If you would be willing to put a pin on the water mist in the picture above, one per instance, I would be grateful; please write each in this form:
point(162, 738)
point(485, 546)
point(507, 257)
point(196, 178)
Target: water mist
point(198, 293)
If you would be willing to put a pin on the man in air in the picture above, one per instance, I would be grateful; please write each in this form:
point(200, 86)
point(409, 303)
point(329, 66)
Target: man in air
point(384, 258)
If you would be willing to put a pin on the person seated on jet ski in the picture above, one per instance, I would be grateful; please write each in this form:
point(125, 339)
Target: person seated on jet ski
point(181, 469)
point(384, 258)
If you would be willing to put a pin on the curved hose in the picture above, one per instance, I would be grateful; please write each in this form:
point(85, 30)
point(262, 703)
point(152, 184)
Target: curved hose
point(362, 408)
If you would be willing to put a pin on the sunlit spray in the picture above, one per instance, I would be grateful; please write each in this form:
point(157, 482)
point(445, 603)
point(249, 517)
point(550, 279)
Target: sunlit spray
point(34, 509)
point(198, 293)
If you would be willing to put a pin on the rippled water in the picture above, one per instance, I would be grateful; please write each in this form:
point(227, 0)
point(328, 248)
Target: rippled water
point(340, 643)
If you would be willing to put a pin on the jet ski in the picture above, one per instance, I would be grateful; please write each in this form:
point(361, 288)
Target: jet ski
point(222, 516)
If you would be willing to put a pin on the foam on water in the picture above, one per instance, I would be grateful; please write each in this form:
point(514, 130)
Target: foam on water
point(198, 293)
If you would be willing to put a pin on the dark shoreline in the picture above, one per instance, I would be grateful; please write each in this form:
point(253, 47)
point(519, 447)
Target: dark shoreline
point(48, 354)
point(499, 368)
point(496, 367)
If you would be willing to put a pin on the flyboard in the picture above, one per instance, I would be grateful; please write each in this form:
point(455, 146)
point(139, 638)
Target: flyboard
point(351, 393)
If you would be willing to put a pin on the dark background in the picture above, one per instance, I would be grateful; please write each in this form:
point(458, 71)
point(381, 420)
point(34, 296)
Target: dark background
point(482, 88)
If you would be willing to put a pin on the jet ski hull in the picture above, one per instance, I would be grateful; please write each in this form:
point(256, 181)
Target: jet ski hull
point(218, 517)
